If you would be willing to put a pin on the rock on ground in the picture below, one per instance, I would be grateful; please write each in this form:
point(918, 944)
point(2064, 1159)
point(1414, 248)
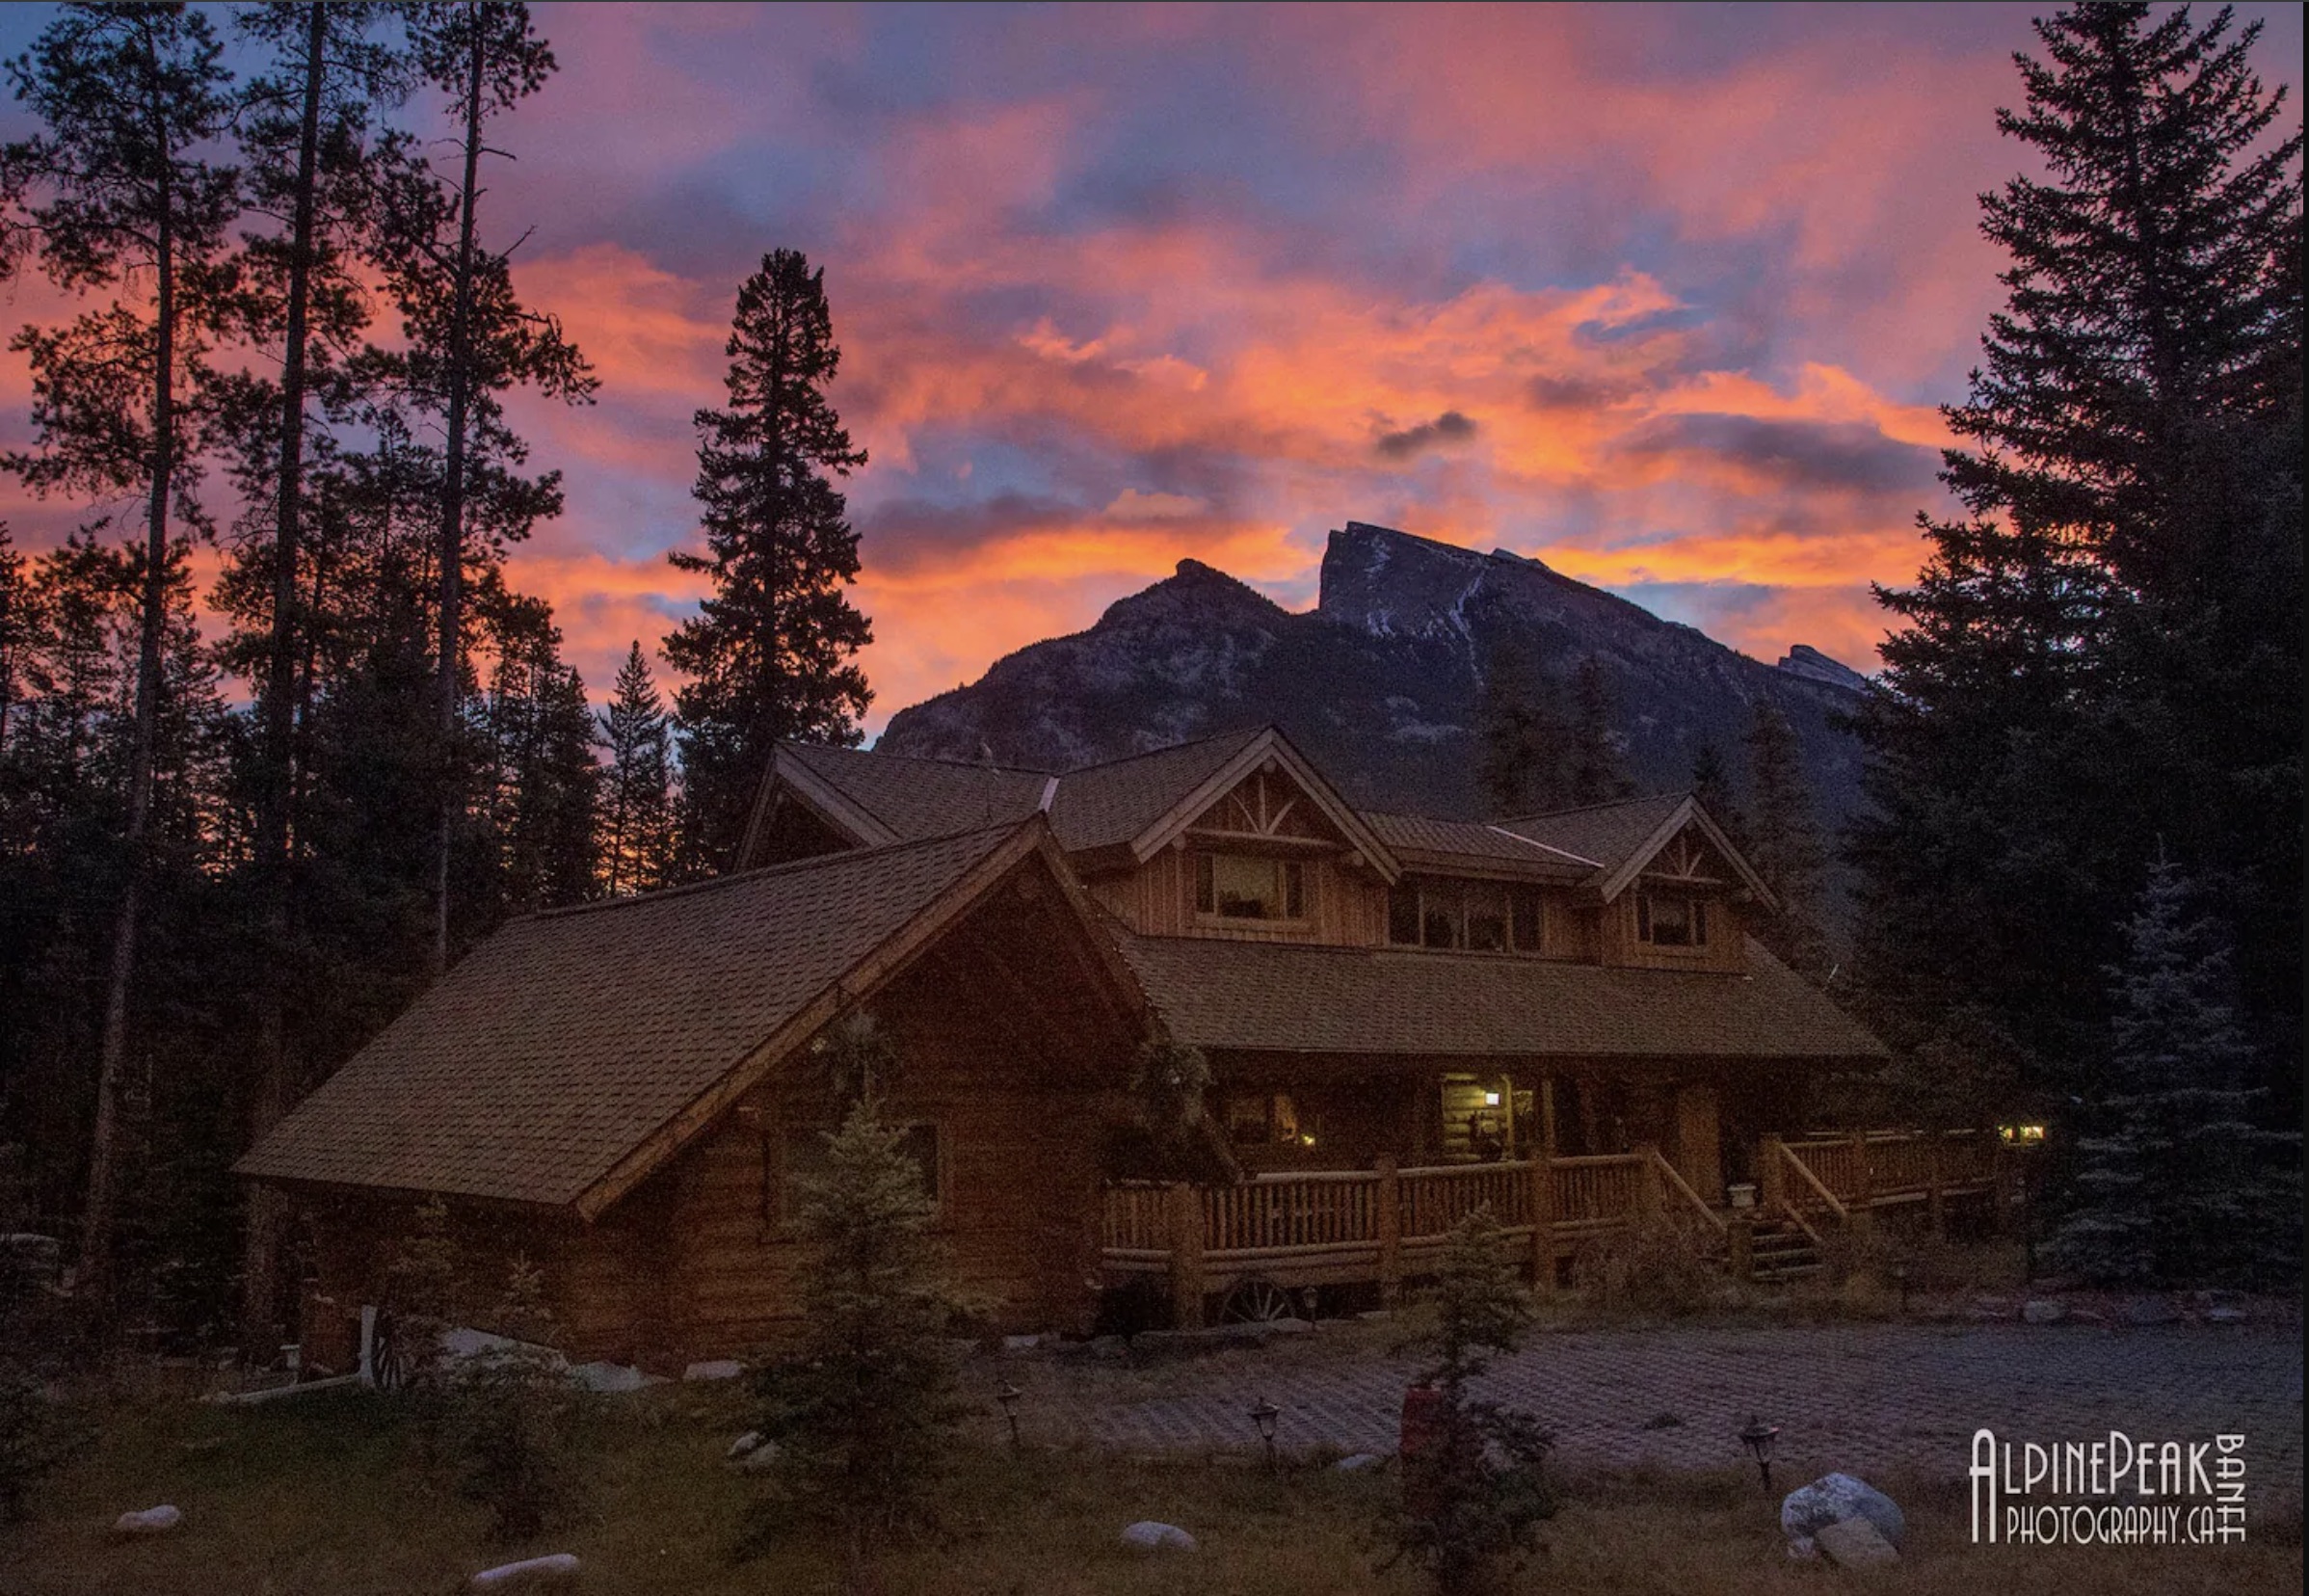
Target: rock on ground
point(147, 1520)
point(1358, 1462)
point(714, 1369)
point(2043, 1311)
point(1832, 1499)
point(1854, 1543)
point(1147, 1535)
point(529, 1573)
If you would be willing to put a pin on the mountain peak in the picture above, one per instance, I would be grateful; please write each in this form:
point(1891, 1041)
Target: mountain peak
point(1808, 662)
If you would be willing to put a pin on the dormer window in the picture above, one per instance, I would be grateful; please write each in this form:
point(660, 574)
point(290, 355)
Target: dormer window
point(1247, 886)
point(1671, 920)
point(1475, 917)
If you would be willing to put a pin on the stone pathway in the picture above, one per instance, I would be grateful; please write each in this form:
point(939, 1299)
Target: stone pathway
point(1858, 1397)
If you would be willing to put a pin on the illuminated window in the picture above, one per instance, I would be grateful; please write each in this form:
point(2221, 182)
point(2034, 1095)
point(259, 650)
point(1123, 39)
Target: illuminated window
point(802, 1157)
point(1247, 886)
point(1671, 920)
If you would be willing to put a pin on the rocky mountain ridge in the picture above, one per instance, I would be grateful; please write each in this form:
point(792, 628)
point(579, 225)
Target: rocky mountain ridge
point(1379, 682)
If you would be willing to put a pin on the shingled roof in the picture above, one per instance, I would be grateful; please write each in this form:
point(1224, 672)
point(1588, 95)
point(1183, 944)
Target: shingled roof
point(912, 799)
point(1419, 839)
point(535, 1068)
point(1283, 997)
point(1602, 835)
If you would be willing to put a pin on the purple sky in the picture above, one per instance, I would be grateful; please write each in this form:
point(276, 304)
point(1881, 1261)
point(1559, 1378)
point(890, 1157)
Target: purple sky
point(1665, 296)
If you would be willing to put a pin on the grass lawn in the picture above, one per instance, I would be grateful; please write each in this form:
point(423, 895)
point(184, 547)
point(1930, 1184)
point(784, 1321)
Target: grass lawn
point(322, 1495)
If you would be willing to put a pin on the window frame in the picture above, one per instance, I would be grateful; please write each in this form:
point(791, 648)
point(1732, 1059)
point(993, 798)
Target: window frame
point(1459, 904)
point(1294, 889)
point(1695, 921)
point(780, 1215)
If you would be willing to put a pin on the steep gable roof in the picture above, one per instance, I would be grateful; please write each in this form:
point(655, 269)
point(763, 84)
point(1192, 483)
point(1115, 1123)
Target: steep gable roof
point(1297, 998)
point(1619, 838)
point(877, 799)
point(1136, 803)
point(572, 1051)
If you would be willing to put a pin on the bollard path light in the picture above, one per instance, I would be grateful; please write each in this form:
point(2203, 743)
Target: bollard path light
point(1758, 1438)
point(1265, 1416)
point(1008, 1396)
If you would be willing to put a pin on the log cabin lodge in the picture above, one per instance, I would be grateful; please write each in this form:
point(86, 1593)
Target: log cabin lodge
point(1563, 1016)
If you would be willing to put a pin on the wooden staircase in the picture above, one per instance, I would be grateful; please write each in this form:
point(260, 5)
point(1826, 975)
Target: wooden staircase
point(1780, 1252)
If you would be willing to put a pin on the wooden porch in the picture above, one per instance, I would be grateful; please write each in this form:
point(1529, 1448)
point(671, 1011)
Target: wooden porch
point(1273, 1234)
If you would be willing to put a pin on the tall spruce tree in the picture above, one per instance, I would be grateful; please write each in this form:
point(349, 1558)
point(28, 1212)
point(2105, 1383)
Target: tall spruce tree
point(2174, 1184)
point(124, 201)
point(1522, 735)
point(1784, 843)
point(770, 656)
point(470, 339)
point(637, 798)
point(1599, 769)
point(2089, 657)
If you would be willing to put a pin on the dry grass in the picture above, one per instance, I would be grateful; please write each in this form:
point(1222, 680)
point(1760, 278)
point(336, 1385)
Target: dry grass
point(323, 1497)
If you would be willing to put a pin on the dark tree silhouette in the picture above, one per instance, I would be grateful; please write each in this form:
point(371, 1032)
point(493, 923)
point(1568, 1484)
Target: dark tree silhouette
point(122, 203)
point(637, 800)
point(770, 656)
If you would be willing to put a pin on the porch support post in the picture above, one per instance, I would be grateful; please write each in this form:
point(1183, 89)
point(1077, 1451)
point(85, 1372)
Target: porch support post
point(1935, 1200)
point(1387, 1220)
point(1647, 1182)
point(1740, 1230)
point(1771, 1173)
point(1543, 1217)
point(1186, 1257)
point(1863, 1197)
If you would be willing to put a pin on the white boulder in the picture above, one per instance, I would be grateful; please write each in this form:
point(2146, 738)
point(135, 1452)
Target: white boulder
point(560, 1568)
point(1147, 1535)
point(1832, 1499)
point(147, 1520)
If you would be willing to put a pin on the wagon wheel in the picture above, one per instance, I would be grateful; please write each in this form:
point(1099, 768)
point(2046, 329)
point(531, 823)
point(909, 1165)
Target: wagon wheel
point(1255, 1301)
point(387, 1366)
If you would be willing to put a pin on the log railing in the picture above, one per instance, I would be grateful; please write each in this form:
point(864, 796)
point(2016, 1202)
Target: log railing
point(1380, 1224)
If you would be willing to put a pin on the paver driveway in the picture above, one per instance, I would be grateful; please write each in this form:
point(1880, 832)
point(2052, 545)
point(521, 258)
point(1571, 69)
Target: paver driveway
point(1863, 1397)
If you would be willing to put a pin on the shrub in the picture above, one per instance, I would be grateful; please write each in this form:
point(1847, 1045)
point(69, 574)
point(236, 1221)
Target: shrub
point(511, 1407)
point(1474, 1503)
point(865, 1416)
point(1674, 1269)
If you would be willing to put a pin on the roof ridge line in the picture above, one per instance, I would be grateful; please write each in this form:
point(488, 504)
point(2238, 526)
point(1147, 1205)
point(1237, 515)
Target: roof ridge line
point(1546, 847)
point(917, 758)
point(790, 866)
point(1171, 748)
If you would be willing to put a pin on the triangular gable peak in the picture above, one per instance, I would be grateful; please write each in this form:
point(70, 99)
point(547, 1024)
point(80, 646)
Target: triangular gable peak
point(1688, 849)
point(791, 780)
point(1268, 795)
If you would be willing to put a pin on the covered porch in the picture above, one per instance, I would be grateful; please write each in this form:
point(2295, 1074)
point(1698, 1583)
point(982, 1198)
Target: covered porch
point(1242, 1249)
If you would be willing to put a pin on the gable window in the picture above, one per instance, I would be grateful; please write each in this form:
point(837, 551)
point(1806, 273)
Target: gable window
point(1476, 916)
point(1246, 887)
point(1671, 920)
point(803, 1156)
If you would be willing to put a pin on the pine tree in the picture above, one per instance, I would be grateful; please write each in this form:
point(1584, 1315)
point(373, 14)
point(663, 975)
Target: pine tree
point(307, 150)
point(1784, 845)
point(1711, 786)
point(470, 339)
point(865, 1417)
point(637, 800)
point(2174, 1184)
point(1598, 770)
point(770, 656)
point(2089, 659)
point(129, 96)
point(1522, 736)
point(541, 779)
point(1474, 1501)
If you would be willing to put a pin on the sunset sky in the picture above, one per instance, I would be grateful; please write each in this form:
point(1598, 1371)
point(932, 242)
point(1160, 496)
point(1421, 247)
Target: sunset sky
point(1665, 297)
